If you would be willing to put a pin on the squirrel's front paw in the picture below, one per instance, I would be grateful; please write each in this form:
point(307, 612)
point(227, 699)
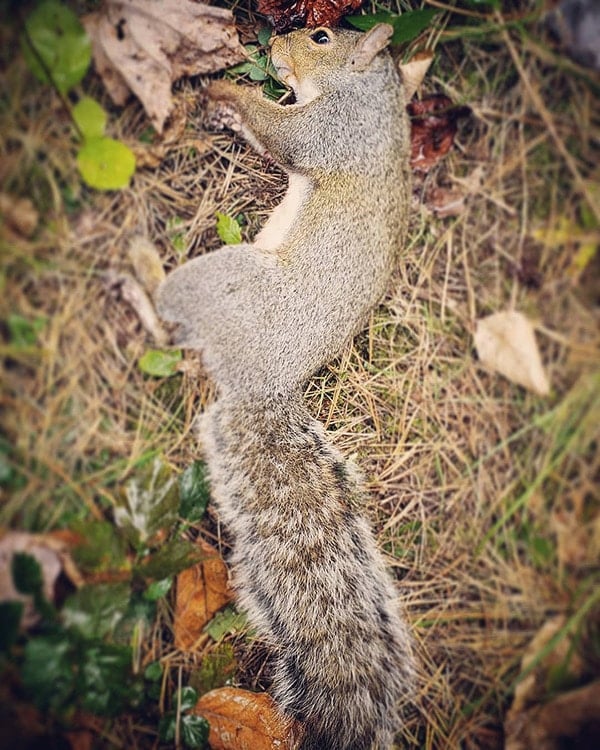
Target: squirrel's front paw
point(219, 106)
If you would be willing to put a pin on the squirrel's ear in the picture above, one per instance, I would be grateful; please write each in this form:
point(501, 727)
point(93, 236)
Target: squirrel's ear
point(370, 45)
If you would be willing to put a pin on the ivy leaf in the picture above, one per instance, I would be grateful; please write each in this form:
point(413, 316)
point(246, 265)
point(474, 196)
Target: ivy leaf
point(160, 364)
point(407, 27)
point(95, 610)
point(101, 548)
point(194, 491)
point(153, 671)
point(173, 557)
point(158, 589)
point(27, 574)
point(104, 680)
point(10, 619)
point(90, 118)
point(194, 730)
point(227, 621)
point(47, 671)
point(150, 503)
point(228, 229)
point(188, 697)
point(60, 42)
point(167, 726)
point(106, 164)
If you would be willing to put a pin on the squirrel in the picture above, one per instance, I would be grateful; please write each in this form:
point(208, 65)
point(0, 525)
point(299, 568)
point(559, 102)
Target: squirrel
point(265, 317)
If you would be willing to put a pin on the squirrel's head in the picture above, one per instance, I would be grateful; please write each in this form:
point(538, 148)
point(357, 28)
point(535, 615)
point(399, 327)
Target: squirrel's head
point(314, 61)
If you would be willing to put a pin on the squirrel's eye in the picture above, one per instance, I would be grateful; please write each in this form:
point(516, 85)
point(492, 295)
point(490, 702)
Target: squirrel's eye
point(320, 37)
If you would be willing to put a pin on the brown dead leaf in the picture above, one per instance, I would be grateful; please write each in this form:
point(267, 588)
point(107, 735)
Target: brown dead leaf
point(143, 48)
point(241, 720)
point(52, 556)
point(414, 71)
point(505, 343)
point(19, 213)
point(446, 200)
point(201, 592)
point(434, 122)
point(533, 721)
point(285, 15)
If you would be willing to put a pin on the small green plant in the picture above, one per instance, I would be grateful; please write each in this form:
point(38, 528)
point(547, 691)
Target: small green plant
point(58, 51)
point(81, 655)
point(406, 27)
point(258, 66)
point(228, 229)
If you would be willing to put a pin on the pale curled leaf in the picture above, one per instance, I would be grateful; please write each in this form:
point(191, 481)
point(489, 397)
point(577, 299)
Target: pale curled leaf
point(505, 342)
point(241, 720)
point(414, 71)
point(143, 47)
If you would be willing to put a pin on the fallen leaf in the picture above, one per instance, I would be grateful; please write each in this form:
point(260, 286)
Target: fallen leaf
point(414, 71)
point(505, 342)
point(534, 722)
point(447, 201)
point(19, 213)
point(51, 554)
point(288, 14)
point(201, 592)
point(143, 48)
point(434, 122)
point(241, 720)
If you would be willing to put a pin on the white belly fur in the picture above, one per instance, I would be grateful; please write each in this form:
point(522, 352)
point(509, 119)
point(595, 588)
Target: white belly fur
point(280, 221)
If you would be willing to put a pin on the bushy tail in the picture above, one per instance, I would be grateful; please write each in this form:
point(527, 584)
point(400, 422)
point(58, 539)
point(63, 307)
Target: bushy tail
point(308, 573)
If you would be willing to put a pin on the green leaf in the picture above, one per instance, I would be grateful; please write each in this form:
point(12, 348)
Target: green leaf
point(90, 118)
point(106, 164)
point(224, 622)
point(150, 502)
point(157, 589)
point(194, 491)
point(407, 27)
point(24, 332)
point(10, 619)
point(194, 730)
point(228, 229)
point(95, 610)
point(60, 41)
point(264, 36)
point(188, 697)
point(159, 363)
point(47, 671)
point(104, 681)
point(26, 574)
point(102, 548)
point(153, 671)
point(167, 727)
point(173, 557)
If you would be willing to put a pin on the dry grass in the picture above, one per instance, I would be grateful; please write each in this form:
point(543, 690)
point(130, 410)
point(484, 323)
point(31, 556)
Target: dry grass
point(473, 480)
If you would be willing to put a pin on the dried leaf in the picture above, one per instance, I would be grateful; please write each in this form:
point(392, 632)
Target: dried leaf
point(505, 342)
point(434, 122)
point(241, 720)
point(144, 47)
point(447, 201)
point(19, 213)
point(288, 14)
point(414, 71)
point(201, 591)
point(532, 721)
point(50, 553)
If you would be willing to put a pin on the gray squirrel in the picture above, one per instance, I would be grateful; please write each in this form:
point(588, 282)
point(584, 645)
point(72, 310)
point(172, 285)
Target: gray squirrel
point(265, 317)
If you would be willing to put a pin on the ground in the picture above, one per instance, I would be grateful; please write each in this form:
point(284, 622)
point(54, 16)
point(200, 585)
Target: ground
point(485, 496)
